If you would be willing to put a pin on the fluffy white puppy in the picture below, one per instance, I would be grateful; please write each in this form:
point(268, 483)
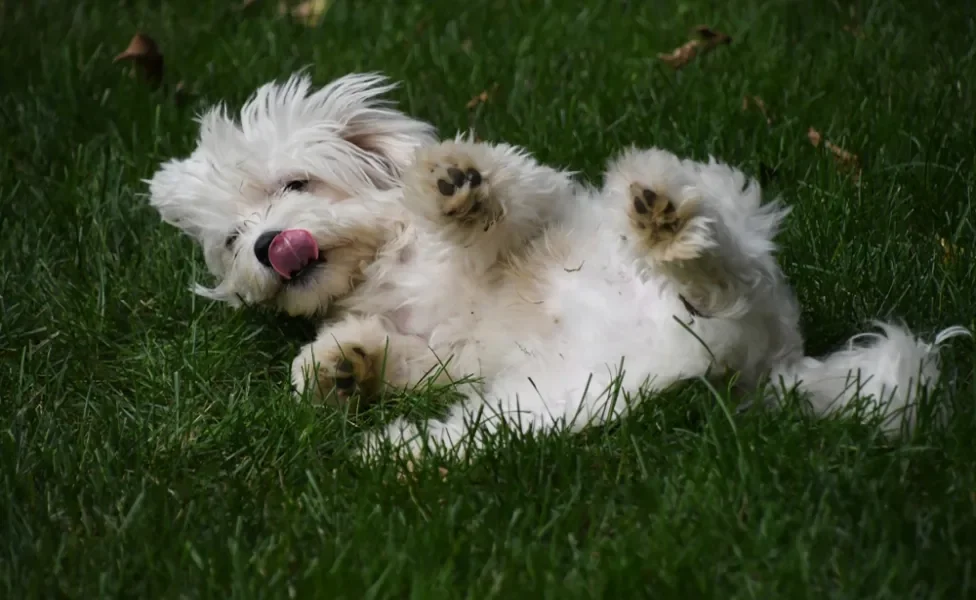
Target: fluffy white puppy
point(453, 259)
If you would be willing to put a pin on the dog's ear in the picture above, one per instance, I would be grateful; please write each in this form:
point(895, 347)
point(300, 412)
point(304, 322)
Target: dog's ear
point(201, 193)
point(372, 124)
point(178, 190)
point(347, 123)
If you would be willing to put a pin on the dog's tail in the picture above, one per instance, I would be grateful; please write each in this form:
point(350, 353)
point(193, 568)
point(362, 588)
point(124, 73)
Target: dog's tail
point(890, 370)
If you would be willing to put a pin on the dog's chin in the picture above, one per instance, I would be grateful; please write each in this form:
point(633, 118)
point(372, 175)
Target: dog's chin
point(305, 293)
point(307, 275)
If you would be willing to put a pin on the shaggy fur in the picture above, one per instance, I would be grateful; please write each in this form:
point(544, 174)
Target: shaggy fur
point(453, 259)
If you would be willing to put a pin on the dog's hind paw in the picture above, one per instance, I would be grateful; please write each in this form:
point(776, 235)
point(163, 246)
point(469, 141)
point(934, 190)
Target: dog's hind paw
point(669, 229)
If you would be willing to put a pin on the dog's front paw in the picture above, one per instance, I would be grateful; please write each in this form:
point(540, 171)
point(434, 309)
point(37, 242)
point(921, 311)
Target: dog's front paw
point(448, 184)
point(336, 372)
point(669, 229)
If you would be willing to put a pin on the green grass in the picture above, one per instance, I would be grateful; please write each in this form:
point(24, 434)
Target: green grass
point(148, 445)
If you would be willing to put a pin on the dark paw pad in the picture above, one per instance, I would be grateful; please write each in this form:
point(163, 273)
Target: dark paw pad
point(456, 175)
point(345, 376)
point(446, 188)
point(648, 200)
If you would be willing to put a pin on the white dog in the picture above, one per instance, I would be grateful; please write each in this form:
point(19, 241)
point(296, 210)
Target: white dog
point(455, 259)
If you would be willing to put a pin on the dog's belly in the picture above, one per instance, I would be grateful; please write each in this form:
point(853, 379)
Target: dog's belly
point(602, 313)
point(402, 321)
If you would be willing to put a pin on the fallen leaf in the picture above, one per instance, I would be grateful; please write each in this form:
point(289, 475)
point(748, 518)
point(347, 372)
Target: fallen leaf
point(708, 39)
point(842, 155)
point(814, 137)
point(844, 158)
point(481, 98)
point(682, 55)
point(758, 103)
point(308, 13)
point(144, 53)
point(950, 252)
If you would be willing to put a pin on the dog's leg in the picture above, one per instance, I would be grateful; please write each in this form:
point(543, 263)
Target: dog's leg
point(702, 225)
point(488, 200)
point(358, 356)
point(516, 404)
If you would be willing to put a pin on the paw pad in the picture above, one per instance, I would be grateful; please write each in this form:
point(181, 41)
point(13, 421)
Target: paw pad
point(457, 179)
point(652, 210)
point(345, 376)
point(339, 373)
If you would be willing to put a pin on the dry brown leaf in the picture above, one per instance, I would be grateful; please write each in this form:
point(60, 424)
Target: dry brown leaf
point(682, 55)
point(479, 99)
point(950, 252)
point(844, 158)
point(707, 40)
point(482, 97)
point(758, 103)
point(814, 137)
point(144, 53)
point(308, 13)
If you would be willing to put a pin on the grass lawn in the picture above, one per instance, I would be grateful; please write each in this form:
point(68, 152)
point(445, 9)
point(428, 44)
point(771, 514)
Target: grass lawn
point(148, 444)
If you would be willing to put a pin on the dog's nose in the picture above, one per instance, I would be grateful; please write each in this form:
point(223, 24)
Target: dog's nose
point(261, 246)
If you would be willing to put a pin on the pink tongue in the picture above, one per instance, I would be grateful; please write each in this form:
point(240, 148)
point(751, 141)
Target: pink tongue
point(291, 251)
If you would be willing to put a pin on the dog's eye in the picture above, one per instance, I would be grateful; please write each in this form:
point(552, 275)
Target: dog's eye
point(297, 185)
point(229, 242)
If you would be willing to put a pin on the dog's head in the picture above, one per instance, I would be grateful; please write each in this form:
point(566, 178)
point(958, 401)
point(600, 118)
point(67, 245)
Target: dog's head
point(262, 195)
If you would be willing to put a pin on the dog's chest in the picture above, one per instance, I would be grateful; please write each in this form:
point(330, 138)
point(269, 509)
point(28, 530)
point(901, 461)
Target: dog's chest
point(404, 322)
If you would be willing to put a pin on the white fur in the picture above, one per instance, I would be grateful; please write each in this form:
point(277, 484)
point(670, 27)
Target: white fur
point(565, 302)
